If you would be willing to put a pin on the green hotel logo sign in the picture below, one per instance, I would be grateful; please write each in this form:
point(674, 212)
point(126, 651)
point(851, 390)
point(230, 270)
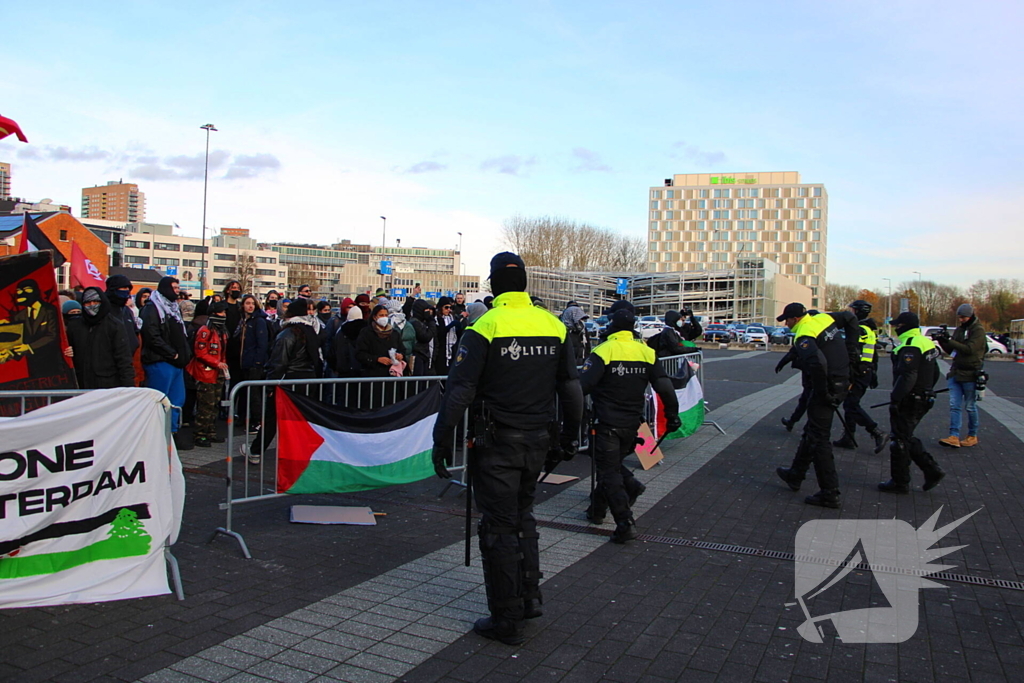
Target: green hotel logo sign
point(731, 180)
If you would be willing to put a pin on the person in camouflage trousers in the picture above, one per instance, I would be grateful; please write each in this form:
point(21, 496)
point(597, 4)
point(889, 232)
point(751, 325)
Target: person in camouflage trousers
point(207, 368)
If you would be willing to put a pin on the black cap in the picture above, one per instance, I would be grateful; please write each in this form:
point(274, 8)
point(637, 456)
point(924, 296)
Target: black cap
point(623, 319)
point(217, 307)
point(619, 305)
point(793, 310)
point(907, 320)
point(118, 281)
point(506, 259)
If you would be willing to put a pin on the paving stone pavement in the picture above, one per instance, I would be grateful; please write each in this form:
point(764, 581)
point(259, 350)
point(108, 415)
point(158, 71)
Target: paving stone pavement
point(394, 602)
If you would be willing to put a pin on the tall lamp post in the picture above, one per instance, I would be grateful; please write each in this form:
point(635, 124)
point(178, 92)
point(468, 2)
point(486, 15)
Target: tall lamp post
point(888, 306)
point(918, 290)
point(206, 177)
point(383, 242)
point(462, 266)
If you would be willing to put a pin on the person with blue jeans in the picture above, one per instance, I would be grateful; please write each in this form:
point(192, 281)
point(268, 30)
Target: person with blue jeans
point(967, 347)
point(165, 347)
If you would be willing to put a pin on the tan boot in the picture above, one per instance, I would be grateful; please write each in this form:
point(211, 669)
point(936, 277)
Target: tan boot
point(951, 441)
point(969, 441)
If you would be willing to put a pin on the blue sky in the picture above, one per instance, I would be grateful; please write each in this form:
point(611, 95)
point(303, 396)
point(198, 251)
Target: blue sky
point(449, 117)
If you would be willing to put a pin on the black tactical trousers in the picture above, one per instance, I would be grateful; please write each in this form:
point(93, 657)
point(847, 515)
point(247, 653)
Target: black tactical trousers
point(904, 447)
point(855, 413)
point(815, 444)
point(801, 403)
point(615, 481)
point(505, 473)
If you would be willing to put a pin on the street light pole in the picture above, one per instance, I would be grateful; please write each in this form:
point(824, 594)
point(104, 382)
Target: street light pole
point(888, 306)
point(383, 243)
point(918, 290)
point(206, 177)
point(462, 266)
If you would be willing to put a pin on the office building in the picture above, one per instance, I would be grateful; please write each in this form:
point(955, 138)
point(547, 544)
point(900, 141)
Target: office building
point(710, 221)
point(751, 291)
point(155, 246)
point(5, 180)
point(345, 269)
point(115, 201)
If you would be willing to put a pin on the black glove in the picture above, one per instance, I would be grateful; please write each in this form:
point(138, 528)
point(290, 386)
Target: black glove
point(874, 381)
point(441, 456)
point(782, 364)
point(834, 400)
point(672, 423)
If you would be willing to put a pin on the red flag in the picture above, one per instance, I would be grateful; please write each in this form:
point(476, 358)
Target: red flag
point(83, 271)
point(9, 127)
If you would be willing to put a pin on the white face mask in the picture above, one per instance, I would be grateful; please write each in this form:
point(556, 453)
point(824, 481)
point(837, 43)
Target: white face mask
point(383, 322)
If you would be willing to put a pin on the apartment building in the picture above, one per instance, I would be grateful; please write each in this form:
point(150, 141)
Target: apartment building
point(710, 221)
point(115, 201)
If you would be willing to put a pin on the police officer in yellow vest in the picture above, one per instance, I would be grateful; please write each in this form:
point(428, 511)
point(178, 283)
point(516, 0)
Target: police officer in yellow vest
point(512, 361)
point(825, 357)
point(915, 370)
point(863, 376)
point(616, 374)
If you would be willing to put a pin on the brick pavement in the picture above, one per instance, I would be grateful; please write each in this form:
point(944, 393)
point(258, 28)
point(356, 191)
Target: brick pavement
point(649, 611)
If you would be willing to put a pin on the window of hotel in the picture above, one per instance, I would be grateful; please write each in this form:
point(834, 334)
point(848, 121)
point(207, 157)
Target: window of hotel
point(696, 246)
point(653, 226)
point(796, 246)
point(224, 257)
point(816, 236)
point(800, 203)
point(804, 191)
point(143, 260)
point(698, 225)
point(654, 248)
point(655, 205)
point(265, 259)
point(165, 246)
point(815, 225)
point(195, 248)
point(670, 194)
point(816, 213)
point(817, 192)
point(720, 214)
point(669, 215)
point(223, 269)
point(134, 244)
point(720, 235)
point(702, 235)
point(815, 246)
point(191, 263)
point(797, 225)
point(720, 258)
point(778, 204)
point(816, 203)
point(702, 214)
point(655, 194)
point(722, 194)
point(798, 269)
point(655, 215)
point(801, 213)
point(669, 204)
point(815, 258)
point(704, 194)
point(744, 246)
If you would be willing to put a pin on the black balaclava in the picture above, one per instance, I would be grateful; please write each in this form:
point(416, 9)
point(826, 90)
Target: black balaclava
point(622, 320)
point(671, 318)
point(297, 308)
point(138, 296)
point(27, 298)
point(323, 311)
point(489, 302)
point(165, 288)
point(217, 322)
point(905, 321)
point(116, 293)
point(508, 273)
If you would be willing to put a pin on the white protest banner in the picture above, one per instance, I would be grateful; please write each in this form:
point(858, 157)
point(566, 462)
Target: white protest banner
point(90, 490)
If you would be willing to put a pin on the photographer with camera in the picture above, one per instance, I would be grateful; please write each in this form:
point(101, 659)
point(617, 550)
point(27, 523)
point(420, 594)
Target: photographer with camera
point(967, 347)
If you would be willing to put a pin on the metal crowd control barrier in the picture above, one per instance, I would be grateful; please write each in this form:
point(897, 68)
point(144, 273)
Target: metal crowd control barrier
point(251, 400)
point(671, 364)
point(53, 395)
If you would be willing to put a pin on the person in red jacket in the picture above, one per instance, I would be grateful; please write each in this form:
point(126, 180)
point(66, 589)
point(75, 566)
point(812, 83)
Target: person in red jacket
point(207, 367)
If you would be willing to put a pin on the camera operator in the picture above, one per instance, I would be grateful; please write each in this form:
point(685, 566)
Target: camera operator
point(967, 347)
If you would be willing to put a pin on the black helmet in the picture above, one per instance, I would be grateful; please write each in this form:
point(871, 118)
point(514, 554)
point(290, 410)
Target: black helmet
point(861, 308)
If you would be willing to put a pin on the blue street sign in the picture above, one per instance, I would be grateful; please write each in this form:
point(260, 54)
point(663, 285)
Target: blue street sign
point(398, 291)
point(385, 267)
point(621, 285)
point(450, 294)
point(432, 295)
point(171, 270)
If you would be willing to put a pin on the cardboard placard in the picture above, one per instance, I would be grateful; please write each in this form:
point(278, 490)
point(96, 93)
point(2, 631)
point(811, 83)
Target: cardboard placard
point(332, 514)
point(556, 478)
point(645, 450)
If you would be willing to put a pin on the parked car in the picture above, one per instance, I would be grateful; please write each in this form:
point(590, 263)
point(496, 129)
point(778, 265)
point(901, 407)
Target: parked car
point(781, 335)
point(593, 329)
point(649, 328)
point(716, 332)
point(885, 343)
point(736, 331)
point(755, 334)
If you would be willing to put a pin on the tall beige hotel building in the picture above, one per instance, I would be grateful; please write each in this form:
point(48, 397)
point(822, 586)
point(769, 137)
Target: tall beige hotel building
point(710, 221)
point(115, 201)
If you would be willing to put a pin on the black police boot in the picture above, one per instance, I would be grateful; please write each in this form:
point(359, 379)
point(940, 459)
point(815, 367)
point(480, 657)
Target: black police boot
point(503, 630)
point(932, 480)
point(881, 440)
point(595, 515)
point(634, 489)
point(789, 423)
point(892, 487)
point(624, 531)
point(787, 475)
point(825, 499)
point(845, 442)
point(532, 609)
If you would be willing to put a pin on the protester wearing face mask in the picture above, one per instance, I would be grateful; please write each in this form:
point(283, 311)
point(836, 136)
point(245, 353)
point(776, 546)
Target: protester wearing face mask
point(669, 342)
point(449, 329)
point(207, 368)
point(574, 318)
point(101, 352)
point(165, 348)
point(72, 311)
point(379, 346)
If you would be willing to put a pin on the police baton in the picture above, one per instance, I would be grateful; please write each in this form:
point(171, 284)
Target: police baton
point(469, 499)
point(879, 405)
point(846, 430)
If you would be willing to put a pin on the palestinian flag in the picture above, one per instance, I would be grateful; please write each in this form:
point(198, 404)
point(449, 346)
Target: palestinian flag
point(34, 239)
point(326, 449)
point(691, 403)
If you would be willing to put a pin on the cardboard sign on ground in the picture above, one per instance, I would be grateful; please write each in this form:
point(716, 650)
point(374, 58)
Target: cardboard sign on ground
point(645, 450)
point(556, 478)
point(332, 514)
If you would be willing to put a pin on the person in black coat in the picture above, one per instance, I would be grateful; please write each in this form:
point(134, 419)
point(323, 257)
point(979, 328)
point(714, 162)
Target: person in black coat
point(101, 352)
point(426, 338)
point(375, 343)
point(449, 329)
point(119, 291)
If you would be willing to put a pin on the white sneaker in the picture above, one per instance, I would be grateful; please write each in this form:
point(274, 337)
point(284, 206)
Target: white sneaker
point(246, 452)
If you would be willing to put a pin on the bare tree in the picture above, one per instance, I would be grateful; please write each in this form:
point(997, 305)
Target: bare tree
point(245, 271)
point(839, 296)
point(554, 242)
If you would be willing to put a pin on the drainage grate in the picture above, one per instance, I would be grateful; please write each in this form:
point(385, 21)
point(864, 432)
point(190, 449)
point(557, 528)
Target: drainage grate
point(733, 549)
